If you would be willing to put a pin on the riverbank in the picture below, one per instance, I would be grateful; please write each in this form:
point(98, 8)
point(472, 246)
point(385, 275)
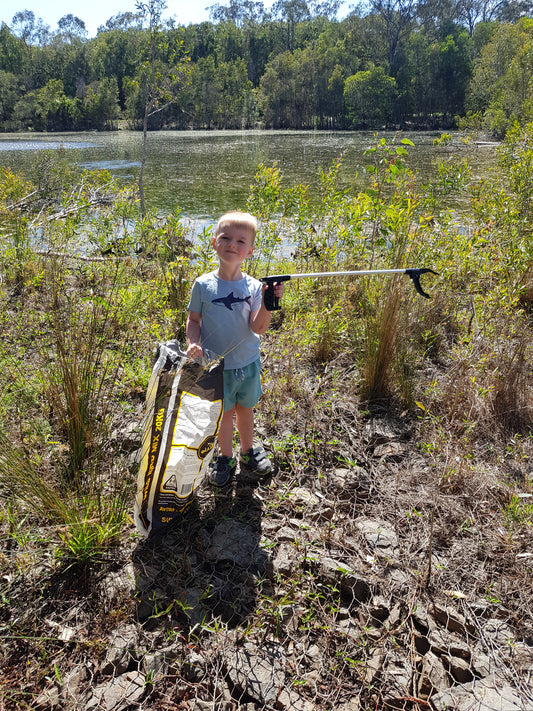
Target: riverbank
point(387, 564)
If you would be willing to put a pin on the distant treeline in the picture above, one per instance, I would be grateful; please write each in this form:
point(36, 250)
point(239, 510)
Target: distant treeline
point(406, 63)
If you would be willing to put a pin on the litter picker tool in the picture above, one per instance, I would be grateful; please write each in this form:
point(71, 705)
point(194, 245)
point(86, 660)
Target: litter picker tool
point(272, 302)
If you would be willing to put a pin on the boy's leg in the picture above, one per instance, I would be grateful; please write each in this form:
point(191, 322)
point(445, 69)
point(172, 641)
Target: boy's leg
point(225, 433)
point(252, 458)
point(222, 467)
point(245, 426)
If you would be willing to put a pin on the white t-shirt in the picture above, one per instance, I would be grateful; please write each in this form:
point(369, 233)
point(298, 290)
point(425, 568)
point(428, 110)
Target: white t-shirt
point(226, 307)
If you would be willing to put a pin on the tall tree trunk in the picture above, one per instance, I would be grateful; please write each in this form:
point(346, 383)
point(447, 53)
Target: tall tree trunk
point(143, 161)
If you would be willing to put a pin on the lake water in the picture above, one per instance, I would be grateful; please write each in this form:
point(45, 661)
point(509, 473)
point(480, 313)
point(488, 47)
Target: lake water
point(205, 173)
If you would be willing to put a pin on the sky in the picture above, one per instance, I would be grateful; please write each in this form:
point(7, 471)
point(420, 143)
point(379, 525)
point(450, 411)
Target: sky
point(97, 12)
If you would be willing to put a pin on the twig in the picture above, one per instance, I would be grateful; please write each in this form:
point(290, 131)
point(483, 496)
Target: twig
point(21, 202)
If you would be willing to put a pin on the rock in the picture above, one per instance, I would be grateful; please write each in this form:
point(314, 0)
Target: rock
point(497, 633)
point(397, 578)
point(391, 451)
point(379, 431)
point(482, 664)
point(118, 583)
point(193, 604)
point(199, 705)
point(315, 653)
point(433, 676)
point(347, 482)
point(235, 542)
point(286, 534)
point(289, 700)
point(480, 695)
point(256, 673)
point(300, 496)
point(193, 668)
point(374, 666)
point(353, 585)
point(422, 644)
point(380, 536)
point(521, 657)
point(459, 669)
point(451, 619)
point(399, 681)
point(444, 642)
point(379, 610)
point(120, 693)
point(395, 616)
point(48, 700)
point(285, 561)
point(129, 435)
point(421, 618)
point(157, 664)
point(352, 705)
point(74, 683)
point(120, 648)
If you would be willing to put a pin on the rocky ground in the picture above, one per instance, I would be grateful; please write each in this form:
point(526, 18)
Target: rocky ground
point(351, 581)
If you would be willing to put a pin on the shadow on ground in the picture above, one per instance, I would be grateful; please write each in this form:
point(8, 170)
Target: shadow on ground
point(207, 564)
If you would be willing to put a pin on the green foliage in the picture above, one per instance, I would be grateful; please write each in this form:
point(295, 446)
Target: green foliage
point(369, 97)
point(300, 68)
point(502, 77)
point(519, 511)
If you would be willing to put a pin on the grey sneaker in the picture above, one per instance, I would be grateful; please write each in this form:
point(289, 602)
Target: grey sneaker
point(256, 461)
point(221, 470)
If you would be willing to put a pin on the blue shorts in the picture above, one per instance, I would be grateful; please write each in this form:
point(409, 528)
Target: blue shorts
point(242, 385)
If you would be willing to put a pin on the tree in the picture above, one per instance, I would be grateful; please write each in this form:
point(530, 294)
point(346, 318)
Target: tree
point(9, 94)
point(32, 30)
point(435, 14)
point(71, 28)
point(234, 90)
point(470, 12)
point(239, 12)
point(453, 73)
point(48, 109)
point(291, 12)
point(328, 8)
point(158, 82)
point(398, 17)
point(13, 53)
point(503, 76)
point(123, 21)
point(115, 53)
point(204, 93)
point(369, 97)
point(100, 104)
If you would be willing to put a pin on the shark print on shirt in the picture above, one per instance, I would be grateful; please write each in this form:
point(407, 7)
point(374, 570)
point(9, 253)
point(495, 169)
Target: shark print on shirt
point(230, 299)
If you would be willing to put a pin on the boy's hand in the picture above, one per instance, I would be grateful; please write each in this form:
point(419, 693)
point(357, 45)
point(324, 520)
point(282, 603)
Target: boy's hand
point(279, 288)
point(195, 350)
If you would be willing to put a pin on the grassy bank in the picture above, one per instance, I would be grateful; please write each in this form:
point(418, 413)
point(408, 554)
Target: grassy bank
point(88, 289)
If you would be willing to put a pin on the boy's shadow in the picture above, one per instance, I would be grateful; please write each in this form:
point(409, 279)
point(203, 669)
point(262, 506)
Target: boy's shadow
point(206, 564)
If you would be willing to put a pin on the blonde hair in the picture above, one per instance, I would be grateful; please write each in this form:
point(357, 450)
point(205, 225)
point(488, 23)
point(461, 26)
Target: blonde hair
point(239, 219)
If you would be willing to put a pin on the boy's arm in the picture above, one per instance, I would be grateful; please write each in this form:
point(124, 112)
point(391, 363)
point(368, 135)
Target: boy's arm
point(193, 331)
point(260, 319)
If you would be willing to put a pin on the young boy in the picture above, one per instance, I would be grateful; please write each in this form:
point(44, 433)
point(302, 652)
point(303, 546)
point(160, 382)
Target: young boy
point(226, 316)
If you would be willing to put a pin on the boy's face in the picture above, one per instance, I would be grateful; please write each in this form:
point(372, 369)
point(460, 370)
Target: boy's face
point(234, 244)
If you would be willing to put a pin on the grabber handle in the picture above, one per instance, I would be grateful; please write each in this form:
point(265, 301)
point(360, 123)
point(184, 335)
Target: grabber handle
point(270, 299)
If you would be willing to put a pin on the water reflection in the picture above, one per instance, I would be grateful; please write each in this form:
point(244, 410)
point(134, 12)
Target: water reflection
point(31, 145)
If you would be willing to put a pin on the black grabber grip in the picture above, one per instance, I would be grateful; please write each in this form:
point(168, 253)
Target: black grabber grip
point(415, 276)
point(271, 301)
